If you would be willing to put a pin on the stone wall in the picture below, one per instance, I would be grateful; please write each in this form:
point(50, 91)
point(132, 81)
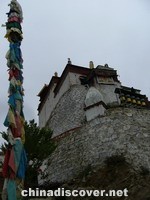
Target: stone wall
point(122, 131)
point(69, 112)
point(52, 99)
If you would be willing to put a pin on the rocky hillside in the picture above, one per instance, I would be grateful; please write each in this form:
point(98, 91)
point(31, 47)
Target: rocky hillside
point(121, 131)
point(117, 174)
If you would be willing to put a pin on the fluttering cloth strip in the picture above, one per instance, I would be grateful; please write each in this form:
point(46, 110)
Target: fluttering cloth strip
point(15, 158)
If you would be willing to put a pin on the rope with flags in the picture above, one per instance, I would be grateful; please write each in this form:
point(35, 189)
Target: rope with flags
point(15, 161)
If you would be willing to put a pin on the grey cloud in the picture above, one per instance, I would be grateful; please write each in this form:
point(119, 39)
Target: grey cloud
point(114, 32)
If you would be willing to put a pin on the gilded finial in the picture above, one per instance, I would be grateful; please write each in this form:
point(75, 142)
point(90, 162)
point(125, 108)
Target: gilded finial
point(91, 65)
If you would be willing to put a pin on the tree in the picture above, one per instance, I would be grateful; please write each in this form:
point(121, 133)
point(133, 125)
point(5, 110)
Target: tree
point(38, 146)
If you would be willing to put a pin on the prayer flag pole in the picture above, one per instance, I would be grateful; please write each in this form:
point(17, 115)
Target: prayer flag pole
point(15, 158)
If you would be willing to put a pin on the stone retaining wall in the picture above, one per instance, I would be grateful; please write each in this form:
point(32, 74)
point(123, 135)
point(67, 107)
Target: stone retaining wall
point(122, 131)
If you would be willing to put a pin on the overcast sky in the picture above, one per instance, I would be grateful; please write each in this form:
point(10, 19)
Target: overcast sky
point(116, 32)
